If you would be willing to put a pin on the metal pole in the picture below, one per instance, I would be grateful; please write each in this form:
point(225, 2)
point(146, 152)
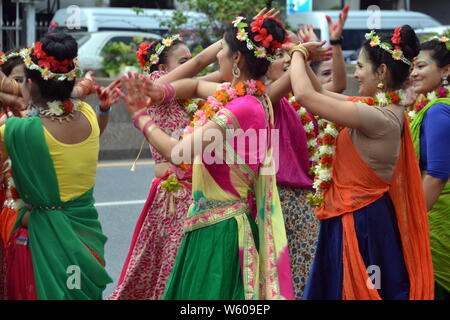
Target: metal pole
point(408, 5)
point(31, 23)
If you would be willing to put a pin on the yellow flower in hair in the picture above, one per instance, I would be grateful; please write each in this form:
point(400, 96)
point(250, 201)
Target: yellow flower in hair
point(167, 42)
point(397, 54)
point(375, 41)
point(242, 35)
point(46, 74)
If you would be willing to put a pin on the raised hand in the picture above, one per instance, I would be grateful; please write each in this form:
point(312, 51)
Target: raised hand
point(335, 29)
point(306, 34)
point(317, 52)
point(136, 99)
point(108, 96)
point(263, 12)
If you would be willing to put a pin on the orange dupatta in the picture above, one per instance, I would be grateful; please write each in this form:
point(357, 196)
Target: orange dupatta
point(357, 186)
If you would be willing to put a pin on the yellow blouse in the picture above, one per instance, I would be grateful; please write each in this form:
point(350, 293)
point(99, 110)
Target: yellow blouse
point(75, 164)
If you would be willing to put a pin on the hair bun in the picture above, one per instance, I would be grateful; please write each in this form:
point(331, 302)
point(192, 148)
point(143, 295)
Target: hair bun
point(275, 29)
point(409, 42)
point(60, 45)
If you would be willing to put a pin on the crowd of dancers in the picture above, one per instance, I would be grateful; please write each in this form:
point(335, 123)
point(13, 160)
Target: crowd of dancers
point(334, 197)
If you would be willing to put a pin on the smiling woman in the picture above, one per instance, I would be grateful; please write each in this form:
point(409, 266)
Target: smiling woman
point(429, 127)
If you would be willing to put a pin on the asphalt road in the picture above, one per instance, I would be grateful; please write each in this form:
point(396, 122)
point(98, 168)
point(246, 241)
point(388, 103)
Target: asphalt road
point(120, 195)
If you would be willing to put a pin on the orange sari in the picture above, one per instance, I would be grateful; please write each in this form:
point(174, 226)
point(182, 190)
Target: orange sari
point(355, 187)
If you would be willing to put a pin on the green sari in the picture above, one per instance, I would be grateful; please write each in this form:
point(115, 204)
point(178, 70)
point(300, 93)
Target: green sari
point(66, 239)
point(439, 215)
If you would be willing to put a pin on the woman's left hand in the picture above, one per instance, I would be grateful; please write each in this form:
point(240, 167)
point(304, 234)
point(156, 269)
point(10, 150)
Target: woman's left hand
point(108, 96)
point(135, 100)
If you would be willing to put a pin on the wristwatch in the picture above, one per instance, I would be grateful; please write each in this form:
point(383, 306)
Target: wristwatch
point(337, 42)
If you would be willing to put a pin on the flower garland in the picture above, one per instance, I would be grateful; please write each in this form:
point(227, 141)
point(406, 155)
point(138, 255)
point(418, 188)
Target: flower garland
point(308, 125)
point(4, 57)
point(328, 133)
point(422, 100)
point(206, 110)
point(397, 53)
point(266, 40)
point(55, 108)
point(154, 58)
point(222, 97)
point(191, 105)
point(46, 63)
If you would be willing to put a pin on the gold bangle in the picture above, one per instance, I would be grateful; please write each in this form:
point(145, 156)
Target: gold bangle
point(301, 49)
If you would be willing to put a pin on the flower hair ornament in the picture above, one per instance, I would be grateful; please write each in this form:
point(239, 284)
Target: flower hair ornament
point(154, 58)
point(445, 40)
point(265, 39)
point(48, 65)
point(396, 53)
point(4, 57)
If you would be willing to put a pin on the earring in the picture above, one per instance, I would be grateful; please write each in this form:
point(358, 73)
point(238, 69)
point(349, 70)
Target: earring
point(236, 71)
point(445, 81)
point(380, 86)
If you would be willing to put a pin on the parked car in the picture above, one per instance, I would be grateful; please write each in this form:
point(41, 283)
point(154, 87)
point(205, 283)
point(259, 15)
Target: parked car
point(358, 24)
point(91, 44)
point(88, 19)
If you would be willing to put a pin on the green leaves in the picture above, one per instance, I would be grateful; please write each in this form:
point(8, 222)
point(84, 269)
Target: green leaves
point(117, 55)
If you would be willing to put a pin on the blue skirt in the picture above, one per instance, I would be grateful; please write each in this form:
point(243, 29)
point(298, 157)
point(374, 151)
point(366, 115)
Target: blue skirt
point(381, 249)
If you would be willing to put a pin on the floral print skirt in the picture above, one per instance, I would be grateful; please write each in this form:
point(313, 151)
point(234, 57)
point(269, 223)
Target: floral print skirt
point(302, 228)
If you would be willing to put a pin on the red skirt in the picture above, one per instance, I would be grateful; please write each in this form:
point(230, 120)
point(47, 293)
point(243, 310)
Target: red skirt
point(20, 273)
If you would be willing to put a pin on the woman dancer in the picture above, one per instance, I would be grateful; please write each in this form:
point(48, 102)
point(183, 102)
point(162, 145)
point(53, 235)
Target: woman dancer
point(159, 230)
point(56, 248)
point(368, 187)
point(429, 129)
point(219, 256)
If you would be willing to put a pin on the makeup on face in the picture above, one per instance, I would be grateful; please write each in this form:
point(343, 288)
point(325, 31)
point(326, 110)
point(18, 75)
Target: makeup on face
point(426, 75)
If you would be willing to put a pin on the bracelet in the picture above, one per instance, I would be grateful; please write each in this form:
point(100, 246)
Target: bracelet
point(136, 118)
point(99, 111)
point(146, 125)
point(337, 42)
point(169, 92)
point(301, 49)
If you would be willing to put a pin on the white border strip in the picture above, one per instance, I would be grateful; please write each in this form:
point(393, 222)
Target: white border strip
point(119, 203)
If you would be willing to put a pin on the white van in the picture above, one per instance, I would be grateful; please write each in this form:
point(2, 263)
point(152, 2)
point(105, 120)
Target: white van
point(85, 19)
point(359, 23)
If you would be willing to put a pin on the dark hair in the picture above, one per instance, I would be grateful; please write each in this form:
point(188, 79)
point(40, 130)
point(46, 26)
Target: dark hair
point(164, 56)
point(257, 67)
point(399, 70)
point(61, 46)
point(11, 63)
point(315, 65)
point(440, 53)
